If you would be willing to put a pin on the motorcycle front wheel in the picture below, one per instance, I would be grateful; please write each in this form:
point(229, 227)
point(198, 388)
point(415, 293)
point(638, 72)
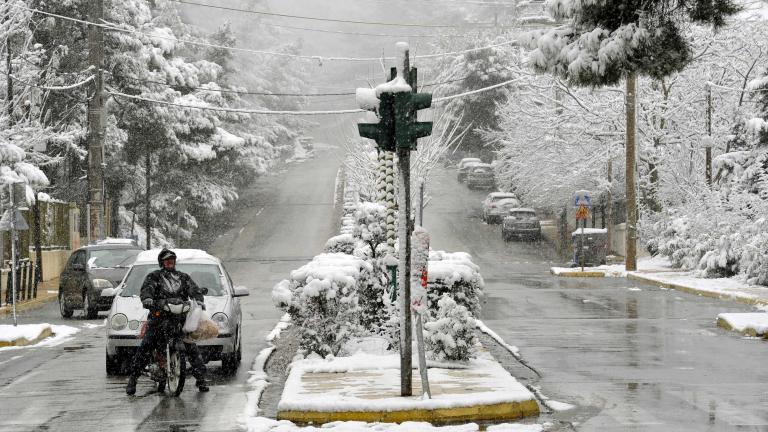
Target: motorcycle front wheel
point(175, 370)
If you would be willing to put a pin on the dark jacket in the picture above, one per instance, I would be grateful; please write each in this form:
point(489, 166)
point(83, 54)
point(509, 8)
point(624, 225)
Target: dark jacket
point(163, 284)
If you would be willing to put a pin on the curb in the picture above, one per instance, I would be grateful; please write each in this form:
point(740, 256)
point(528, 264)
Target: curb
point(495, 412)
point(29, 304)
point(746, 332)
point(47, 332)
point(579, 274)
point(716, 295)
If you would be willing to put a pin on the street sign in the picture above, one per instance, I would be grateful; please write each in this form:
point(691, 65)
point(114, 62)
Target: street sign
point(582, 213)
point(19, 224)
point(582, 197)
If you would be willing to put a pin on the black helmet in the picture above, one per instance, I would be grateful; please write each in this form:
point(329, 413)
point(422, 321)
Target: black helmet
point(164, 255)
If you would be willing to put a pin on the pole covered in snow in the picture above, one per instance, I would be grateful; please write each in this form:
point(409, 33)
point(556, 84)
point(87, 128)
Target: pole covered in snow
point(419, 279)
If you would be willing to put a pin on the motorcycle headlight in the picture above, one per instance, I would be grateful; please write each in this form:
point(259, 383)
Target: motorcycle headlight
point(101, 283)
point(221, 320)
point(118, 322)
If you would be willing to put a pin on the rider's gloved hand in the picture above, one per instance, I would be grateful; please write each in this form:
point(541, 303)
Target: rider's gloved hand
point(160, 303)
point(147, 303)
point(201, 304)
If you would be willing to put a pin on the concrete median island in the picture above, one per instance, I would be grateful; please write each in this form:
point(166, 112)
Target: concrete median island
point(23, 335)
point(366, 387)
point(753, 324)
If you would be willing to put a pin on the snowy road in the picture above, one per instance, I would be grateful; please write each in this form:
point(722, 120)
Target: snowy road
point(65, 388)
point(644, 359)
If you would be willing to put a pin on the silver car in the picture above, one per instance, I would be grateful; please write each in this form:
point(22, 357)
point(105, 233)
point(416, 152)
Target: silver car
point(497, 204)
point(222, 304)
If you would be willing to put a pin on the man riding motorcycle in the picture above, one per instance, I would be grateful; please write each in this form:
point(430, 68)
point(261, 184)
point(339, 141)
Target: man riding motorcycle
point(159, 287)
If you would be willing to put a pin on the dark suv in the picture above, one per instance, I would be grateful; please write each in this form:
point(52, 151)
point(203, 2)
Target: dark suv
point(89, 270)
point(521, 222)
point(481, 176)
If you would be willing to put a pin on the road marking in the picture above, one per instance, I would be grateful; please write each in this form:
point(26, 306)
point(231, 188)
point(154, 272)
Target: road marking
point(11, 359)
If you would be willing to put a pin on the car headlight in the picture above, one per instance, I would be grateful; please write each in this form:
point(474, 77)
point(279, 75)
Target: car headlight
point(118, 322)
point(134, 324)
point(221, 320)
point(101, 283)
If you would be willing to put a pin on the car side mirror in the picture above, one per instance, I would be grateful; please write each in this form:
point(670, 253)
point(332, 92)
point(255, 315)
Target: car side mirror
point(204, 290)
point(241, 291)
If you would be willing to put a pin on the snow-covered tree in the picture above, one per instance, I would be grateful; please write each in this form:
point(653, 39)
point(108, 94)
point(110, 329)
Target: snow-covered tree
point(451, 335)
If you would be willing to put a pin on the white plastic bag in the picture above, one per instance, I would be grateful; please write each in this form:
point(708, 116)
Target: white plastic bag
point(206, 329)
point(193, 318)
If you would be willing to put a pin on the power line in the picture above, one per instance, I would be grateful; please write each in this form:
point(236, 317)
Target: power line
point(282, 15)
point(300, 113)
point(247, 92)
point(113, 27)
point(365, 34)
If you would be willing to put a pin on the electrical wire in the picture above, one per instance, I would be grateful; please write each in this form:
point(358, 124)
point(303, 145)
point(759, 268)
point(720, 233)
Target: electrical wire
point(247, 92)
point(300, 113)
point(366, 34)
point(335, 20)
point(113, 27)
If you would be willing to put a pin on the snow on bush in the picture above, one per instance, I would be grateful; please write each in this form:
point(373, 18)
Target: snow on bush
point(454, 274)
point(451, 335)
point(322, 300)
point(343, 243)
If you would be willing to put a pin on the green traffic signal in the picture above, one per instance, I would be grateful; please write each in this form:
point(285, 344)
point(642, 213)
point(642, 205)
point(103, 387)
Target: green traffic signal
point(382, 132)
point(407, 129)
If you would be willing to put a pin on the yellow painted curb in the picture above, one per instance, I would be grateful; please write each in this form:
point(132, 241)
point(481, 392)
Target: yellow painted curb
point(494, 412)
point(26, 305)
point(47, 332)
point(722, 296)
point(580, 274)
point(746, 332)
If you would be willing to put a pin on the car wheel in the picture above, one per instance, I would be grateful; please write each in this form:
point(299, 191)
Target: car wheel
point(65, 311)
point(89, 310)
point(113, 364)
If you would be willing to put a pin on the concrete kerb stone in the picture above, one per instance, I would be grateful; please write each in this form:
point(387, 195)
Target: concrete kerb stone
point(752, 301)
point(492, 413)
point(45, 333)
point(579, 274)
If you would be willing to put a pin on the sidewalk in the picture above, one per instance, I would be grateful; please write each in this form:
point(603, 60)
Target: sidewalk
point(366, 387)
point(659, 271)
point(47, 291)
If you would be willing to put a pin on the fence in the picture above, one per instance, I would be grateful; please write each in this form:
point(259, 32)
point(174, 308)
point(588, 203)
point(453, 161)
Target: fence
point(26, 288)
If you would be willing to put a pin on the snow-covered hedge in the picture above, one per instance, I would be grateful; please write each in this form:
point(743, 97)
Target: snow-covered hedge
point(451, 334)
point(322, 300)
point(454, 274)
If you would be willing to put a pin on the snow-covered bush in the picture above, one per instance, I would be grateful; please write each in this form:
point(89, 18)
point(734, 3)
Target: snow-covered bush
point(322, 300)
point(343, 243)
point(451, 335)
point(454, 274)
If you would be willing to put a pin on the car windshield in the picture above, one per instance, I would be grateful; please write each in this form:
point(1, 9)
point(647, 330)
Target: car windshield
point(204, 275)
point(509, 203)
point(502, 197)
point(111, 258)
point(523, 215)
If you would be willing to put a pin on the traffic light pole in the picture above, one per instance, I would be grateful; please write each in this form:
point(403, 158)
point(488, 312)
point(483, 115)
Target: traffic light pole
point(405, 228)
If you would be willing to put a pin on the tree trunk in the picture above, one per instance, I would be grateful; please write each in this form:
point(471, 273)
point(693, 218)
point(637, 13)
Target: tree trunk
point(147, 220)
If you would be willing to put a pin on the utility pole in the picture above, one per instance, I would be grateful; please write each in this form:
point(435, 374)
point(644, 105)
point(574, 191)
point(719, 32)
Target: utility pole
point(147, 201)
point(708, 143)
point(631, 258)
point(96, 123)
point(609, 204)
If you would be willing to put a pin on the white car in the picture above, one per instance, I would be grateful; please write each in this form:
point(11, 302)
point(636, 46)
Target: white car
point(222, 303)
point(497, 204)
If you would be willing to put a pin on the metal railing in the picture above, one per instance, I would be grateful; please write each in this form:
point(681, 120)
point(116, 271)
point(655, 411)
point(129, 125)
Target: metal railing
point(26, 288)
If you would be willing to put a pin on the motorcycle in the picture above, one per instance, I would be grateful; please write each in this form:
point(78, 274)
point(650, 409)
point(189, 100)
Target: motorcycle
point(168, 366)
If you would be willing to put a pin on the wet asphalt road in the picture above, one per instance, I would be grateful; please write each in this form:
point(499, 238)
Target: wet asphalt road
point(65, 388)
point(632, 357)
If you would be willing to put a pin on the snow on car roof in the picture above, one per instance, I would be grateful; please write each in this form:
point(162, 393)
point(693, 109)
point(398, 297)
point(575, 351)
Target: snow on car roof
point(527, 210)
point(182, 255)
point(501, 194)
point(512, 200)
point(111, 240)
point(470, 160)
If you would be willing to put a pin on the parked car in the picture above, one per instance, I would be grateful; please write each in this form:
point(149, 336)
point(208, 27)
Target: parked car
point(222, 303)
point(88, 271)
point(481, 176)
point(493, 212)
point(521, 222)
point(463, 167)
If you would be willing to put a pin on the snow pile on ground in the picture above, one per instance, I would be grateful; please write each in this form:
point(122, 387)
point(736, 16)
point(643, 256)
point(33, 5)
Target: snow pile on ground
point(61, 334)
point(657, 264)
point(755, 324)
point(263, 424)
point(10, 333)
